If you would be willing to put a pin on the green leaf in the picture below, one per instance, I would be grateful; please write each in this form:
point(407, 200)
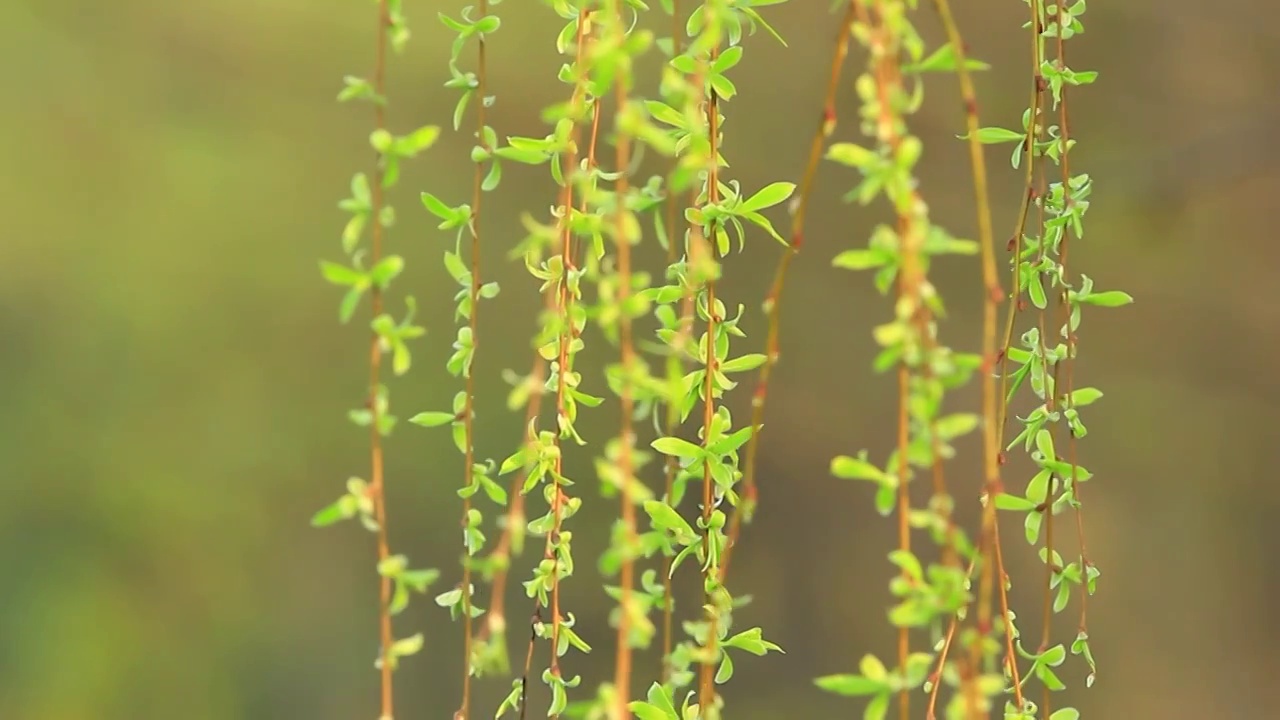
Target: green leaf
point(436, 207)
point(407, 646)
point(1054, 656)
point(452, 24)
point(645, 711)
point(419, 140)
point(730, 57)
point(495, 491)
point(1005, 501)
point(386, 270)
point(850, 685)
point(1065, 714)
point(341, 274)
point(1044, 443)
point(851, 154)
point(752, 641)
point(522, 155)
point(731, 443)
point(659, 697)
point(873, 668)
point(768, 196)
point(381, 140)
point(664, 113)
point(877, 709)
point(1036, 290)
point(419, 580)
point(512, 463)
point(342, 509)
point(487, 24)
point(677, 447)
point(861, 259)
point(943, 60)
point(433, 418)
point(1038, 487)
point(995, 135)
point(909, 563)
point(1084, 396)
point(886, 497)
point(350, 302)
point(664, 517)
point(744, 363)
point(454, 265)
point(1110, 298)
point(1032, 527)
point(851, 468)
point(953, 426)
point(725, 672)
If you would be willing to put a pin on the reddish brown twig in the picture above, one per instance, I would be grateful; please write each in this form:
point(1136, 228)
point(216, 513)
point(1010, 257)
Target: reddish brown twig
point(773, 303)
point(376, 485)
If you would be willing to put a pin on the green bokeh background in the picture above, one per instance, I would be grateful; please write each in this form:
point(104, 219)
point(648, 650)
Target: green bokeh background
point(175, 381)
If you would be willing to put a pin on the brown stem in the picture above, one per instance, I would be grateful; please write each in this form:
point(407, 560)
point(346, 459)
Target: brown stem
point(992, 404)
point(622, 669)
point(885, 47)
point(773, 303)
point(376, 484)
point(528, 661)
point(559, 298)
point(671, 467)
point(904, 529)
point(968, 688)
point(673, 409)
point(1050, 405)
point(706, 690)
point(477, 195)
point(991, 532)
point(1064, 128)
point(495, 619)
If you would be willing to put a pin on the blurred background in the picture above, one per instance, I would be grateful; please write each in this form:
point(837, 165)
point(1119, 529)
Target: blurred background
point(175, 383)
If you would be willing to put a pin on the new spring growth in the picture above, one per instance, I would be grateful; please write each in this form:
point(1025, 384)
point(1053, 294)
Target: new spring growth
point(368, 272)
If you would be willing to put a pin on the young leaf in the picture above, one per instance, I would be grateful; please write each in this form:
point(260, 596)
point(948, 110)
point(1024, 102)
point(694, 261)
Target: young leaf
point(851, 468)
point(768, 196)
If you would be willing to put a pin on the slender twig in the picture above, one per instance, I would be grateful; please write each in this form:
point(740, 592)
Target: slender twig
point(495, 619)
point(477, 195)
point(676, 359)
point(559, 298)
point(1064, 130)
point(1046, 509)
point(993, 295)
point(1051, 567)
point(936, 679)
point(622, 669)
point(706, 688)
point(376, 484)
point(773, 303)
point(1015, 246)
point(886, 46)
point(534, 621)
point(991, 530)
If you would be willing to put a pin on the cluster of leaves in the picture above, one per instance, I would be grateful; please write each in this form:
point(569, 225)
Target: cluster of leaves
point(900, 255)
point(581, 262)
point(462, 263)
point(1044, 360)
point(1039, 274)
point(569, 254)
point(368, 210)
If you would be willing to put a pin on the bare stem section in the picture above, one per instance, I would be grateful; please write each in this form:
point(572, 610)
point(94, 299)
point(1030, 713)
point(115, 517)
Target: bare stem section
point(773, 302)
